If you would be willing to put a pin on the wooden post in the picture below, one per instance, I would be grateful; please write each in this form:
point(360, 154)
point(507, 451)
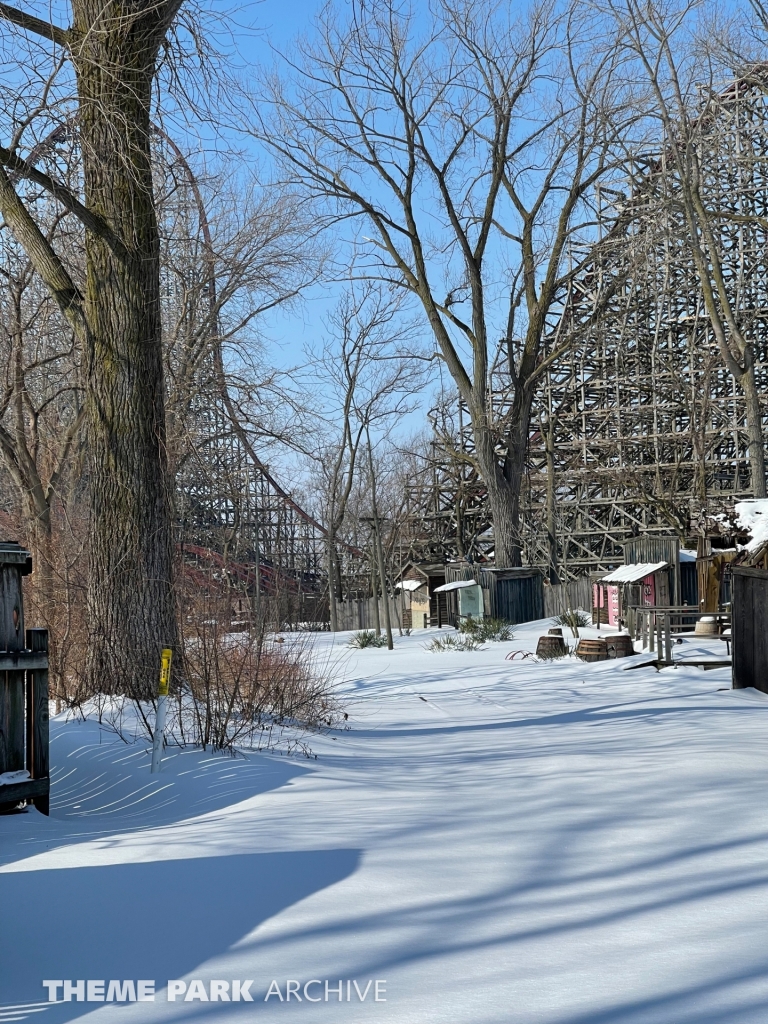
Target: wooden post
point(659, 635)
point(38, 764)
point(11, 721)
point(668, 638)
point(651, 633)
point(12, 566)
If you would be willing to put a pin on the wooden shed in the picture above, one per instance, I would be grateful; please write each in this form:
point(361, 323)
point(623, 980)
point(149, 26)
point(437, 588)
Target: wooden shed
point(515, 595)
point(418, 585)
point(749, 627)
point(512, 594)
point(649, 549)
point(643, 583)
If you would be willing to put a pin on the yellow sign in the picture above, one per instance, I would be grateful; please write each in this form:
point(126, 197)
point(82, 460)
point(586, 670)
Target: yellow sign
point(165, 671)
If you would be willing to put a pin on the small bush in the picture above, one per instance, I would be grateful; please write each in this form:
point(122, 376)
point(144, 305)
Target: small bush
point(573, 620)
point(467, 642)
point(495, 630)
point(367, 638)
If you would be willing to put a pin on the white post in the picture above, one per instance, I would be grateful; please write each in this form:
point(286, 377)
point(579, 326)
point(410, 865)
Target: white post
point(162, 700)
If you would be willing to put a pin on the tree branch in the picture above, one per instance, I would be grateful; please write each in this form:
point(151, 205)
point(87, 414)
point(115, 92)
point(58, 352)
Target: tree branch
point(57, 35)
point(42, 256)
point(70, 202)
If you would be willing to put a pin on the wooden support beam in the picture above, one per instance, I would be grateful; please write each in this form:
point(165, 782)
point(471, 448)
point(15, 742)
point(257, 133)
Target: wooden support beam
point(33, 789)
point(38, 763)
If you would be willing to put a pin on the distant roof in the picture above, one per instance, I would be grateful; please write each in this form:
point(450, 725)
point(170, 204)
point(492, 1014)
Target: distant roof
point(425, 568)
point(410, 584)
point(456, 585)
point(633, 573)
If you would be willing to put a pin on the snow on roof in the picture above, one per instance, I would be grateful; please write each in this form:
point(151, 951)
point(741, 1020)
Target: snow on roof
point(752, 515)
point(633, 573)
point(456, 585)
point(687, 556)
point(410, 584)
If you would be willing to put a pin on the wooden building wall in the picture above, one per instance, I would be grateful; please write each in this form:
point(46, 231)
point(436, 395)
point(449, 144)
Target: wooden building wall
point(657, 549)
point(749, 626)
point(515, 595)
point(575, 595)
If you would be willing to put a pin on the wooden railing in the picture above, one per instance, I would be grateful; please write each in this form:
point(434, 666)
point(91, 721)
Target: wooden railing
point(654, 626)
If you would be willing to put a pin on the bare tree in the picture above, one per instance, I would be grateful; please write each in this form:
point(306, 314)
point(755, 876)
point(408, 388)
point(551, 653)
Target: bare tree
point(469, 151)
point(371, 370)
point(232, 249)
point(41, 411)
point(698, 150)
point(109, 57)
point(41, 414)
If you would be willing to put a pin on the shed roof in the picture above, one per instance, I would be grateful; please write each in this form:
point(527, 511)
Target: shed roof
point(633, 573)
point(410, 584)
point(456, 585)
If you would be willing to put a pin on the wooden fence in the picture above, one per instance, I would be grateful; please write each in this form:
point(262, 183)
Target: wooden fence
point(655, 628)
point(360, 614)
point(560, 597)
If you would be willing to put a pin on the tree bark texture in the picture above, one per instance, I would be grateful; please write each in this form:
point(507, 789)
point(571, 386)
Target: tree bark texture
point(131, 611)
point(504, 476)
point(755, 429)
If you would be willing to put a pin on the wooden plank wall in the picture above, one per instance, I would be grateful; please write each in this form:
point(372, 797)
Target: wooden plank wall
point(749, 626)
point(514, 598)
point(576, 594)
point(656, 549)
point(517, 599)
point(360, 614)
point(37, 717)
point(12, 722)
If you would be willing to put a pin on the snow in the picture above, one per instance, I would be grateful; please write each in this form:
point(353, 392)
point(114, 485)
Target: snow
point(502, 842)
point(455, 585)
point(752, 516)
point(11, 778)
point(633, 573)
point(410, 584)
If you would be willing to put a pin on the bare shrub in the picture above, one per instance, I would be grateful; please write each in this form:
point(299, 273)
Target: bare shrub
point(251, 689)
point(235, 682)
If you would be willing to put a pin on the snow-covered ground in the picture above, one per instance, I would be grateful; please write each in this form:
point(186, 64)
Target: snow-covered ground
point(493, 841)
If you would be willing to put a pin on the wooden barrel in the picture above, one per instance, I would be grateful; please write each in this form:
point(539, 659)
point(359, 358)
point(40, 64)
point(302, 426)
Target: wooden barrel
point(707, 626)
point(551, 647)
point(620, 646)
point(592, 650)
point(556, 631)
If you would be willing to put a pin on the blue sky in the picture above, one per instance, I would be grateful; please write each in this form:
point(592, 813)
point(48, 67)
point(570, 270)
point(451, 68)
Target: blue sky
point(274, 25)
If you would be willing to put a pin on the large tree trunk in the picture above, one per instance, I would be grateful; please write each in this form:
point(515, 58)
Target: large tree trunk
point(502, 499)
point(505, 480)
point(504, 511)
point(131, 612)
point(755, 428)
